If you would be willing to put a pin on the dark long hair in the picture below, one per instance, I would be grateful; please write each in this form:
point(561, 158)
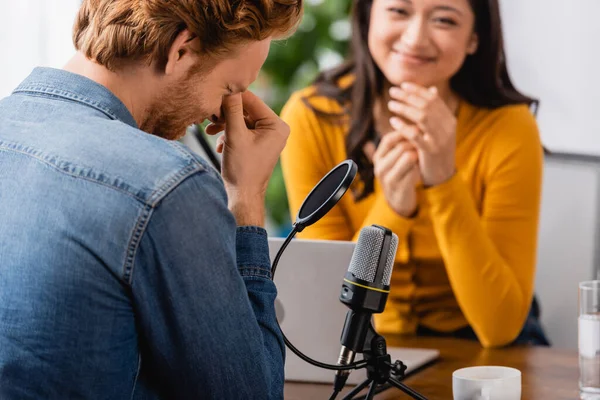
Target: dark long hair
point(483, 81)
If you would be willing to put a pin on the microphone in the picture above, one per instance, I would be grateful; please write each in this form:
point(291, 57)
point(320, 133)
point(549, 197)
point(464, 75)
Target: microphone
point(365, 291)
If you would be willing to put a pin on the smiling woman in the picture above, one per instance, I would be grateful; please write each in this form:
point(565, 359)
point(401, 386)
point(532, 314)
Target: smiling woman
point(435, 40)
point(449, 158)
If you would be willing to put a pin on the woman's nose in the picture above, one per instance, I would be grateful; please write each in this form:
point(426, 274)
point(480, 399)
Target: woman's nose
point(415, 34)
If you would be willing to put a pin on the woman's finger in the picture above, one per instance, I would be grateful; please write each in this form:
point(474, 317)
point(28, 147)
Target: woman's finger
point(408, 131)
point(384, 164)
point(411, 133)
point(418, 90)
point(415, 115)
point(369, 149)
point(412, 99)
point(401, 168)
point(387, 143)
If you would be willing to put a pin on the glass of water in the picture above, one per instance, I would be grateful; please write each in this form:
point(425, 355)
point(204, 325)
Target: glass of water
point(589, 340)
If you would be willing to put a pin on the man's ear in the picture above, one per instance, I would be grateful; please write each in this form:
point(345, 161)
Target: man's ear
point(473, 44)
point(181, 56)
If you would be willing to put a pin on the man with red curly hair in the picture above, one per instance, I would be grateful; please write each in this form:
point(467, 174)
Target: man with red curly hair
point(129, 269)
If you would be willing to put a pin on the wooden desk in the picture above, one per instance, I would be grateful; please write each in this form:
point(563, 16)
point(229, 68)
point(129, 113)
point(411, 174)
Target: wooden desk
point(547, 374)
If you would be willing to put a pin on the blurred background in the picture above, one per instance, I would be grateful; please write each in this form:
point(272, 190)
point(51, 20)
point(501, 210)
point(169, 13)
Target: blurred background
point(551, 55)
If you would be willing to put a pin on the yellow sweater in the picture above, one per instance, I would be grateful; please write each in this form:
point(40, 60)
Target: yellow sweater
point(468, 257)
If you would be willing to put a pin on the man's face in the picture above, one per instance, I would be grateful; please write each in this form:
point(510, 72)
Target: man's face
point(198, 96)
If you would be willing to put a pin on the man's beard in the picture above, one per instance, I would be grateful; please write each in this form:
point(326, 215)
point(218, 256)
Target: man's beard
point(169, 116)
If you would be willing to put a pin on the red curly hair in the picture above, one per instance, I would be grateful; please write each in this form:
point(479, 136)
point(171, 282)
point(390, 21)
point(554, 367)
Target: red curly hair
point(110, 32)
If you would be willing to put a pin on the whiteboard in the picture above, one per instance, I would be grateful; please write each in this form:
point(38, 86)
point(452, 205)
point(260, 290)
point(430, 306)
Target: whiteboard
point(567, 244)
point(552, 52)
point(34, 33)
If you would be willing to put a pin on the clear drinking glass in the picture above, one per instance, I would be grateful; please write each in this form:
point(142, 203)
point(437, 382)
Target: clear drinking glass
point(589, 340)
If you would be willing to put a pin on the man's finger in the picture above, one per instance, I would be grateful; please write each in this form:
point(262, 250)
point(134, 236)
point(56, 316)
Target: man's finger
point(220, 144)
point(233, 110)
point(250, 123)
point(213, 129)
point(255, 108)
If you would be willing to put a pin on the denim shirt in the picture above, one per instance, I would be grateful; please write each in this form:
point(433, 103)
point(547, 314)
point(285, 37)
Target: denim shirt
point(122, 272)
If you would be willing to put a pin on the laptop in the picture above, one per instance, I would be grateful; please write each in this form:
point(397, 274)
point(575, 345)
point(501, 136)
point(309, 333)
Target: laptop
point(309, 278)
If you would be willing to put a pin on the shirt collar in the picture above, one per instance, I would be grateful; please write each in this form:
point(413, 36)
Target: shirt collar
point(50, 82)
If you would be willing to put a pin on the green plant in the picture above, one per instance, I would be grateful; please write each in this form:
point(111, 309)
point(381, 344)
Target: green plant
point(320, 42)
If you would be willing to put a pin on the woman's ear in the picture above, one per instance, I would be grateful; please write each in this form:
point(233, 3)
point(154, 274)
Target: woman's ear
point(180, 56)
point(473, 44)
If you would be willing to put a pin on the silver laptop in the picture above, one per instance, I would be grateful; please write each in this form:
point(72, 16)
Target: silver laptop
point(309, 278)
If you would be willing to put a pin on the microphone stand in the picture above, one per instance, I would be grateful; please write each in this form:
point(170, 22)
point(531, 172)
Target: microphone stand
point(380, 370)
point(208, 150)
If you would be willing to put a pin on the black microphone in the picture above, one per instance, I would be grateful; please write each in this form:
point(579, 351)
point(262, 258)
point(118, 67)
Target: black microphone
point(365, 290)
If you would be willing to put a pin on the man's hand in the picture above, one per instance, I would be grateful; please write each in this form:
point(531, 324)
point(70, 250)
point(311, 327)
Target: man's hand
point(253, 140)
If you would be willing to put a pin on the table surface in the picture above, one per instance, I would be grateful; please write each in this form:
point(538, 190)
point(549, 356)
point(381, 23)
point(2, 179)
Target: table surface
point(547, 373)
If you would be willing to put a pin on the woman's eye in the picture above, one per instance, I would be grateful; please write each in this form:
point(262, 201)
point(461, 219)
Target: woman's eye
point(399, 11)
point(446, 21)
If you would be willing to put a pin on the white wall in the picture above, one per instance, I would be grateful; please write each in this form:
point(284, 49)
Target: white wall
point(32, 33)
point(552, 53)
point(568, 243)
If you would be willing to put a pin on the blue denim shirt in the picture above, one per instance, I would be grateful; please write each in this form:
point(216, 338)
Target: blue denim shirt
point(122, 272)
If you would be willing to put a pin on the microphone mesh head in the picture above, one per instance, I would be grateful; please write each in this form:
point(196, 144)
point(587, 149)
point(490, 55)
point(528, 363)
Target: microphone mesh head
point(391, 257)
point(365, 258)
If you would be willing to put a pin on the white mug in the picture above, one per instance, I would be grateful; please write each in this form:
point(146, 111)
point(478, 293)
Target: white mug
point(486, 383)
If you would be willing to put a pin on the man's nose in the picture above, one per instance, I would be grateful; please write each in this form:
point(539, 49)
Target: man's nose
point(218, 118)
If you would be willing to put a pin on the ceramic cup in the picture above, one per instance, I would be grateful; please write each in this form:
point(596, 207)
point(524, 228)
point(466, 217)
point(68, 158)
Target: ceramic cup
point(486, 383)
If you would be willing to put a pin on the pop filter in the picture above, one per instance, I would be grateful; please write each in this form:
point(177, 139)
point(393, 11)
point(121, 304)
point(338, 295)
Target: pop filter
point(320, 200)
point(326, 194)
